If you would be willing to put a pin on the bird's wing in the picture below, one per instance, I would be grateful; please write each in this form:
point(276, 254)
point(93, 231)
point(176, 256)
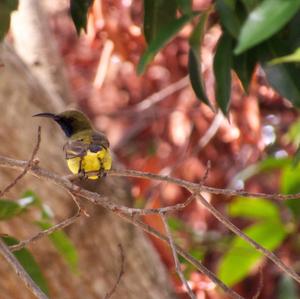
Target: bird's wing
point(75, 149)
point(78, 148)
point(98, 142)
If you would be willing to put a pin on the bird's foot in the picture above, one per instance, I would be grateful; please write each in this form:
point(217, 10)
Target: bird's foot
point(102, 173)
point(82, 175)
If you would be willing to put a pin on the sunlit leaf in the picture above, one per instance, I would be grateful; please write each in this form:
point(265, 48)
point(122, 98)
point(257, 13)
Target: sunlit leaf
point(64, 246)
point(9, 209)
point(265, 20)
point(241, 258)
point(293, 134)
point(194, 62)
point(28, 262)
point(163, 37)
point(294, 57)
point(222, 71)
point(290, 184)
point(6, 7)
point(254, 208)
point(79, 10)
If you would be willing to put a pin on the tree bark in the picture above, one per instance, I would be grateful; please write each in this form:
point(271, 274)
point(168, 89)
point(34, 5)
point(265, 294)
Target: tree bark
point(97, 237)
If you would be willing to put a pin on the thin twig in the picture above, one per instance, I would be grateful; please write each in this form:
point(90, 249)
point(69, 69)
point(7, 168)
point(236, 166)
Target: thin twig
point(98, 199)
point(270, 255)
point(28, 166)
point(121, 273)
point(78, 205)
point(210, 132)
point(260, 284)
point(176, 260)
point(46, 232)
point(192, 187)
point(197, 264)
point(11, 259)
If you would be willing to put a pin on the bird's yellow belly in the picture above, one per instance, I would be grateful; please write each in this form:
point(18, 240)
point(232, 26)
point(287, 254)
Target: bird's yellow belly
point(91, 162)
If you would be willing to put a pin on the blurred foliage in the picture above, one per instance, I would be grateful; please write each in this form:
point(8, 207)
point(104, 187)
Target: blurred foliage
point(241, 257)
point(251, 30)
point(29, 264)
point(6, 7)
point(287, 288)
point(10, 209)
point(79, 10)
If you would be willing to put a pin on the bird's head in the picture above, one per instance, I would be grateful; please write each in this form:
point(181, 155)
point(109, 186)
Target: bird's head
point(71, 121)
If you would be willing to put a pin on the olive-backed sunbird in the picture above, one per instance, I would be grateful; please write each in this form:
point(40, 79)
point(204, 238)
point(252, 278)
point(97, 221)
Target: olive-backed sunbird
point(86, 150)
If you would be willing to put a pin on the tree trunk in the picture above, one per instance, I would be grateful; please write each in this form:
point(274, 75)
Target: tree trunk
point(97, 237)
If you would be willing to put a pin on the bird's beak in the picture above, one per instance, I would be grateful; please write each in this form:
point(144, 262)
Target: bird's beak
point(45, 114)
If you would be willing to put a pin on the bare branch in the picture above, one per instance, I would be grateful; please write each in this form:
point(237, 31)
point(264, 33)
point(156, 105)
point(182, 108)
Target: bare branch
point(123, 212)
point(46, 232)
point(270, 255)
point(192, 187)
point(28, 166)
point(174, 253)
point(147, 228)
point(121, 273)
point(11, 259)
point(260, 284)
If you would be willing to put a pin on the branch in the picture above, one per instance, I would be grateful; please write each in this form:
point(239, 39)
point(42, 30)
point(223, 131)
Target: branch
point(150, 230)
point(28, 166)
point(11, 259)
point(119, 210)
point(121, 273)
point(176, 260)
point(270, 255)
point(46, 232)
point(192, 187)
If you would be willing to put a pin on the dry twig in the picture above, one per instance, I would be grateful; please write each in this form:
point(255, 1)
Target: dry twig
point(192, 187)
point(176, 260)
point(119, 210)
point(28, 166)
point(121, 273)
point(46, 232)
point(11, 259)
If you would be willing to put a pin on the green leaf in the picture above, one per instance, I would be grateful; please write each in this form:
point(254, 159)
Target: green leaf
point(162, 38)
point(265, 20)
point(244, 66)
point(176, 224)
point(157, 15)
point(28, 262)
point(79, 10)
point(241, 258)
point(290, 184)
point(294, 57)
point(185, 6)
point(194, 61)
point(250, 4)
point(9, 209)
point(222, 71)
point(229, 18)
point(282, 78)
point(293, 133)
point(64, 246)
point(6, 7)
point(254, 208)
point(287, 288)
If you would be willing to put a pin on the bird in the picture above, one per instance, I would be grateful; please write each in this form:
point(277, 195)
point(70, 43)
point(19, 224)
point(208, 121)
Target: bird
point(86, 150)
